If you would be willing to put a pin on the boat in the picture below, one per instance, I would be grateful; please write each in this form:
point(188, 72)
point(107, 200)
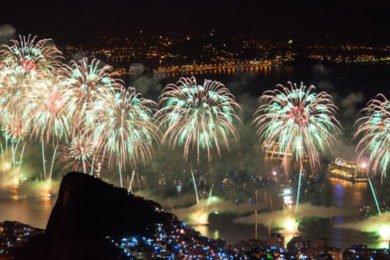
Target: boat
point(347, 170)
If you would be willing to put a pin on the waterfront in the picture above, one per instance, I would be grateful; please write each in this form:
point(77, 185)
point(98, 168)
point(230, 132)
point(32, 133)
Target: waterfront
point(35, 211)
point(365, 81)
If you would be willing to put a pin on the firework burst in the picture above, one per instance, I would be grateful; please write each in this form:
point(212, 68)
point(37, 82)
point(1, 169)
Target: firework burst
point(25, 64)
point(374, 129)
point(298, 121)
point(14, 129)
point(198, 117)
point(91, 85)
point(46, 111)
point(125, 129)
point(29, 56)
point(79, 154)
point(46, 115)
point(12, 101)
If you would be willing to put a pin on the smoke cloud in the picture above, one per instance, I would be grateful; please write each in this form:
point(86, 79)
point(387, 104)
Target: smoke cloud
point(198, 213)
point(137, 69)
point(6, 33)
point(278, 218)
point(378, 224)
point(349, 104)
point(149, 84)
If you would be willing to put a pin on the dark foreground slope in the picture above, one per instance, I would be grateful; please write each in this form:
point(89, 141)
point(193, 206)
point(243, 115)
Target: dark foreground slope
point(86, 211)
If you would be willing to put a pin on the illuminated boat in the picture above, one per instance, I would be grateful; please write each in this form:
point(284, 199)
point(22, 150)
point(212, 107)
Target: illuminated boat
point(273, 152)
point(347, 170)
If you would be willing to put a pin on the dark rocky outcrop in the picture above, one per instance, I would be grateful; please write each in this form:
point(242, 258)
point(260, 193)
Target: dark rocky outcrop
point(87, 210)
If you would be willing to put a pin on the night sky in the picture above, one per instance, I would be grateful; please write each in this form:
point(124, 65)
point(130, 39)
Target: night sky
point(336, 20)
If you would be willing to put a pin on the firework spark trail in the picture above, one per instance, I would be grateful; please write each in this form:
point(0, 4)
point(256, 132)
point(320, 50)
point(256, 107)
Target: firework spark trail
point(299, 122)
point(374, 129)
point(78, 153)
point(374, 196)
point(45, 112)
point(46, 106)
point(32, 55)
point(198, 117)
point(25, 64)
point(52, 102)
point(90, 85)
point(125, 130)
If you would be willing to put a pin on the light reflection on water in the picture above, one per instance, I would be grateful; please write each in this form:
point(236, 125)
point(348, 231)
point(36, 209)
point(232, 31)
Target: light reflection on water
point(32, 211)
point(342, 194)
point(36, 211)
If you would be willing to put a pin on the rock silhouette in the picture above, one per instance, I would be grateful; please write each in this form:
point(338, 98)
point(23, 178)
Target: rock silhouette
point(86, 211)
